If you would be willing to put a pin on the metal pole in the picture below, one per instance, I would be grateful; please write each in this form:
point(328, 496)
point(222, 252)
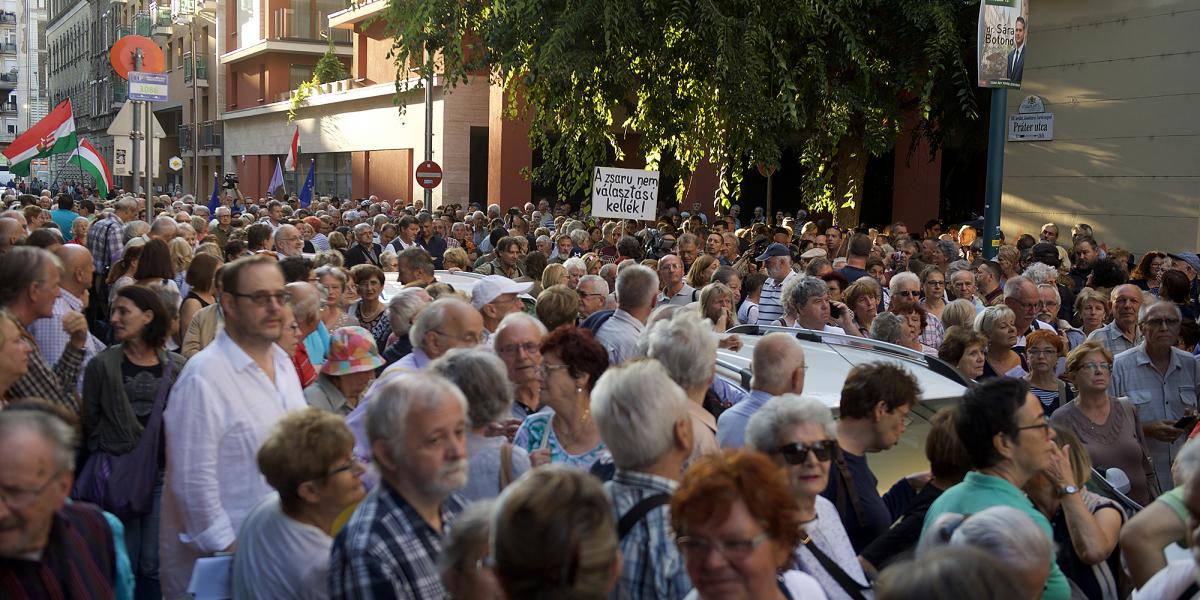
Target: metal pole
point(195, 112)
point(136, 179)
point(149, 156)
point(428, 122)
point(994, 187)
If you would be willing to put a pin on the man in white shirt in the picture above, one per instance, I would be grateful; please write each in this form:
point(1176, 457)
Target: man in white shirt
point(218, 414)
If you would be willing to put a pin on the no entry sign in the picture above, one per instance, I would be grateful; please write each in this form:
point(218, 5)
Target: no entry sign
point(429, 174)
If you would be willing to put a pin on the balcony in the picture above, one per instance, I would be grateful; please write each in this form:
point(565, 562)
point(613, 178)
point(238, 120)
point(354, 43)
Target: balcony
point(6, 137)
point(201, 70)
point(8, 108)
point(119, 93)
point(185, 138)
point(8, 48)
point(211, 134)
point(358, 12)
point(8, 81)
point(288, 24)
point(162, 21)
point(8, 18)
point(142, 24)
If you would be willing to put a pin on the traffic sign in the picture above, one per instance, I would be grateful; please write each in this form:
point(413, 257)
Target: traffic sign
point(122, 55)
point(150, 87)
point(175, 163)
point(429, 174)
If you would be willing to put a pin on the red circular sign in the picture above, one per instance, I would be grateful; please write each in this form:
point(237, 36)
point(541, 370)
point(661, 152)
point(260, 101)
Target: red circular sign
point(121, 55)
point(429, 174)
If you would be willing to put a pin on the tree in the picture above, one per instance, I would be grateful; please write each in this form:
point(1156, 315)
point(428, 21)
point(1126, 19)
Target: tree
point(734, 82)
point(329, 68)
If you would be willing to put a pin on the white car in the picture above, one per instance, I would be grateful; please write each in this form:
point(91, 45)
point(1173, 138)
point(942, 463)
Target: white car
point(461, 281)
point(829, 358)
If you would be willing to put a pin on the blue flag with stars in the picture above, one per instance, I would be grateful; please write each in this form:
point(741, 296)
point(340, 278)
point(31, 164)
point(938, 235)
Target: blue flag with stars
point(306, 192)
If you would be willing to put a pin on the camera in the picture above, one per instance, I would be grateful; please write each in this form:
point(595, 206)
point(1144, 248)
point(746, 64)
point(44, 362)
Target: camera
point(231, 181)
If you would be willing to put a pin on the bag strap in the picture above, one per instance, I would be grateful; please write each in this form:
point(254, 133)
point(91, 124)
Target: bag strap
point(638, 512)
point(846, 481)
point(506, 470)
point(852, 588)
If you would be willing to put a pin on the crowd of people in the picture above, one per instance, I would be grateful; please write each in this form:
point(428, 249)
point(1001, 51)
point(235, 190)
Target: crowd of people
point(310, 400)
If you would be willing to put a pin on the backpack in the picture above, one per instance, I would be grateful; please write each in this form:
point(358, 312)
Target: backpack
point(597, 320)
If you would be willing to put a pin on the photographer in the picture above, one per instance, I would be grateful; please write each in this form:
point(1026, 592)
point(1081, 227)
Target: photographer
point(230, 185)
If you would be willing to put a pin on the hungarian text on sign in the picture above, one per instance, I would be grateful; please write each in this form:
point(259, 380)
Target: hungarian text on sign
point(624, 193)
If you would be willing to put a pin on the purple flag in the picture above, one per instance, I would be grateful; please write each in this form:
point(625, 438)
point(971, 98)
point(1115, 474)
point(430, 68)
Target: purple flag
point(276, 179)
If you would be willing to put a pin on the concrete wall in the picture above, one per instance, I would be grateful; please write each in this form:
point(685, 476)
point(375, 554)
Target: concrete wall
point(1122, 80)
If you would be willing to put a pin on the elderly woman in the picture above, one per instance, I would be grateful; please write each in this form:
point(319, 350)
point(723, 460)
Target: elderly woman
point(283, 544)
point(402, 309)
point(916, 320)
point(1109, 427)
point(965, 350)
point(1004, 532)
point(949, 574)
point(997, 324)
point(799, 435)
point(333, 314)
point(455, 260)
point(348, 369)
point(1086, 525)
point(806, 305)
point(462, 564)
point(1091, 310)
point(959, 313)
point(576, 269)
point(572, 362)
point(554, 537)
point(493, 462)
point(557, 306)
point(933, 290)
point(862, 297)
point(1042, 350)
point(837, 284)
point(371, 312)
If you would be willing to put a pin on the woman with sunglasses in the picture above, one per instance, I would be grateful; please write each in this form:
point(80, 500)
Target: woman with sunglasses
point(798, 434)
point(1108, 426)
point(737, 527)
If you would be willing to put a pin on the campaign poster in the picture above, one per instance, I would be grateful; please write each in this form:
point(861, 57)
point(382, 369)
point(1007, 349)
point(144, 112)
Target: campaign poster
point(1003, 39)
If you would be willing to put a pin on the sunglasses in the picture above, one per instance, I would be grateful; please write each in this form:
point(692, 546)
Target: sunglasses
point(797, 453)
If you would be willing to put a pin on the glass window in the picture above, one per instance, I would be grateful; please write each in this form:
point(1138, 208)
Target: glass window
point(298, 74)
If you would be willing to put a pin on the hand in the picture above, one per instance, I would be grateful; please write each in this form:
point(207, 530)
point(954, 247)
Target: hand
point(507, 428)
point(539, 457)
point(75, 324)
point(847, 315)
point(1163, 431)
point(1059, 470)
point(732, 343)
point(918, 480)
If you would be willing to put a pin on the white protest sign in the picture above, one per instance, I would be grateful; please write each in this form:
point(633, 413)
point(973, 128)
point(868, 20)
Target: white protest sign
point(624, 193)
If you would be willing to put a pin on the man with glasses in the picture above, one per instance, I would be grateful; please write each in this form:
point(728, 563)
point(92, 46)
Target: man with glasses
point(593, 291)
point(1021, 296)
point(288, 241)
point(445, 324)
point(219, 412)
point(49, 547)
point(874, 412)
point(1161, 382)
point(1008, 439)
point(518, 342)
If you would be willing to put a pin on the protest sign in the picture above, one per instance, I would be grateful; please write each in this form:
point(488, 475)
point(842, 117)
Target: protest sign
point(624, 193)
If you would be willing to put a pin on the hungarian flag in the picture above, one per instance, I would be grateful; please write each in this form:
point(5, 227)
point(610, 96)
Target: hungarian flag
point(55, 134)
point(293, 151)
point(88, 158)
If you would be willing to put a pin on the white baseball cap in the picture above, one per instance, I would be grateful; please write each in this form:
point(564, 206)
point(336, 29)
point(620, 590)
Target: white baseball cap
point(489, 288)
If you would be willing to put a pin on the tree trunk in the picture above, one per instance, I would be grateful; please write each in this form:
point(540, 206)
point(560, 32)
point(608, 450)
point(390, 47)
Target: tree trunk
point(850, 169)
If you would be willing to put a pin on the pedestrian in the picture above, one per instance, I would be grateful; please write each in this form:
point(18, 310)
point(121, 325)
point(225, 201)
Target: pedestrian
point(348, 370)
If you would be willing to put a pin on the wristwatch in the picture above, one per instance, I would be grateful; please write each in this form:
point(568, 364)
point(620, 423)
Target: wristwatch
point(1067, 490)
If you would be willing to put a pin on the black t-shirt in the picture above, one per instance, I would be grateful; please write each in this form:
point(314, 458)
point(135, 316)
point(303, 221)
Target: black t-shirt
point(901, 539)
point(141, 385)
point(853, 274)
point(878, 512)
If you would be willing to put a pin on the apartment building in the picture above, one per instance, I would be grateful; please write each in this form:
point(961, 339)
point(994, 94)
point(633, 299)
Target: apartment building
point(9, 72)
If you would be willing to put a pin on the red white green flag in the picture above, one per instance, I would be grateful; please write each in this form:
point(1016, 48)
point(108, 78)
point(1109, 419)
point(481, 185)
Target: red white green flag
point(54, 134)
point(89, 159)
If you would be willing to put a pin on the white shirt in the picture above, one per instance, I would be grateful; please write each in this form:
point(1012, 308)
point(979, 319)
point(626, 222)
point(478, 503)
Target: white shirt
point(800, 585)
point(280, 557)
point(218, 414)
point(1172, 581)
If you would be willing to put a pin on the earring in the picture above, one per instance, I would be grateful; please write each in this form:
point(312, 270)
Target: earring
point(579, 390)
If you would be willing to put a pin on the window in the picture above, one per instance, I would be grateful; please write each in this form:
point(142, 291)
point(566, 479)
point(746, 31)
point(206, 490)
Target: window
point(298, 74)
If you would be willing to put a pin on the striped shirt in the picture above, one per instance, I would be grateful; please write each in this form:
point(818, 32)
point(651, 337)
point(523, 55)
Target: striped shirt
point(652, 566)
point(770, 300)
point(388, 550)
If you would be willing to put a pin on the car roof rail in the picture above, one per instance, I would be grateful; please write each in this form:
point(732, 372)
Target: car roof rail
point(744, 374)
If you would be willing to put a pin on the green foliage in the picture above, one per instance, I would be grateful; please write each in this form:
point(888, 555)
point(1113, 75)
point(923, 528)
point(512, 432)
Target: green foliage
point(300, 96)
point(734, 82)
point(329, 68)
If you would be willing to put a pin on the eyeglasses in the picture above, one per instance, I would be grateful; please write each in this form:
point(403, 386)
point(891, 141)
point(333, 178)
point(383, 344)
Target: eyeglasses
point(797, 453)
point(586, 294)
point(265, 298)
point(1044, 426)
point(908, 294)
point(349, 466)
point(938, 283)
point(1161, 323)
point(528, 347)
point(551, 368)
point(1096, 367)
point(20, 498)
point(695, 548)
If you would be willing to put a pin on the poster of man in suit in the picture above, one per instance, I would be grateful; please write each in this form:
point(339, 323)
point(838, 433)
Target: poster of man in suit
point(1000, 51)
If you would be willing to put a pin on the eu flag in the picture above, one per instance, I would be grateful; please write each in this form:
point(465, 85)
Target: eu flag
point(306, 192)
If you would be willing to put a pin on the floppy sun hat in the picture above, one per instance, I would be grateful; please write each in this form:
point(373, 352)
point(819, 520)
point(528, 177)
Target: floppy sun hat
point(351, 350)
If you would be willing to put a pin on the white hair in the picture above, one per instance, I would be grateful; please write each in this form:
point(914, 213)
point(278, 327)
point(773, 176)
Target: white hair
point(519, 318)
point(686, 346)
point(404, 307)
point(1040, 273)
point(595, 279)
point(1012, 287)
point(391, 399)
point(1005, 532)
point(636, 432)
point(431, 319)
point(575, 263)
point(987, 318)
point(765, 429)
point(903, 276)
point(636, 286)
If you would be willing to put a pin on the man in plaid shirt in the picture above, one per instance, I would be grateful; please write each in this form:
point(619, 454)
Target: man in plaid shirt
point(417, 427)
point(31, 277)
point(106, 241)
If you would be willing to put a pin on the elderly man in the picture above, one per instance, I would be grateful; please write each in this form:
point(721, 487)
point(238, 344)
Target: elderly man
point(593, 290)
point(50, 548)
point(518, 342)
point(389, 549)
point(649, 461)
point(687, 247)
point(905, 288)
point(778, 259)
point(444, 324)
point(30, 292)
point(76, 268)
point(687, 348)
point(674, 289)
point(288, 241)
point(873, 414)
point(1008, 440)
point(962, 287)
point(415, 268)
point(1049, 303)
point(1122, 333)
point(1021, 296)
point(637, 291)
point(10, 233)
point(778, 368)
point(306, 303)
point(212, 480)
point(496, 297)
point(365, 250)
point(403, 309)
point(163, 228)
point(1161, 381)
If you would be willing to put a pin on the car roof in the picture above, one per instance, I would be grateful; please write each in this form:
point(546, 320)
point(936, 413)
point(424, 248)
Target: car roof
point(461, 281)
point(829, 358)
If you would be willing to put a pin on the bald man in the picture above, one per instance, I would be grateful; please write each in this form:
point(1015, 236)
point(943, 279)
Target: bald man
point(778, 366)
point(10, 233)
point(77, 269)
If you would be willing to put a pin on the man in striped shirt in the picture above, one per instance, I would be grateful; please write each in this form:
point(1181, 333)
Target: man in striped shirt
point(778, 259)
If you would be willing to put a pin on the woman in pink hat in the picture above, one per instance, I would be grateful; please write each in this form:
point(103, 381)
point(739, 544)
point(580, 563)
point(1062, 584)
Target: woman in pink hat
point(348, 369)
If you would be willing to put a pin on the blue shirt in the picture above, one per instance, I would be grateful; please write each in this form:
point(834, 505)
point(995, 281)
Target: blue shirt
point(64, 219)
point(652, 566)
point(731, 426)
point(317, 344)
